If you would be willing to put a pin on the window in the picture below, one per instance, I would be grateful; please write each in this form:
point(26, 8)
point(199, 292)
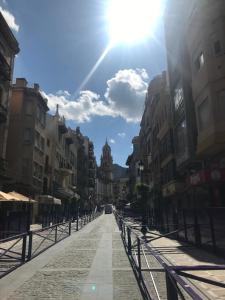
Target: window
point(221, 106)
point(181, 138)
point(217, 47)
point(37, 139)
point(178, 95)
point(199, 62)
point(204, 115)
point(25, 166)
point(42, 144)
point(48, 142)
point(29, 108)
point(1, 96)
point(27, 135)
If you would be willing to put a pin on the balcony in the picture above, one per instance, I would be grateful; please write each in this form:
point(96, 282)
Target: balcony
point(61, 192)
point(5, 70)
point(65, 169)
point(3, 114)
point(68, 139)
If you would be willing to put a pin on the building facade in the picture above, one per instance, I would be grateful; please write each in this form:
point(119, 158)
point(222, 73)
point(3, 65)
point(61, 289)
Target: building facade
point(8, 49)
point(26, 138)
point(196, 69)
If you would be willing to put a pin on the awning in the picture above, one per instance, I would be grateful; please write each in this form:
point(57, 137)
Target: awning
point(15, 197)
point(47, 199)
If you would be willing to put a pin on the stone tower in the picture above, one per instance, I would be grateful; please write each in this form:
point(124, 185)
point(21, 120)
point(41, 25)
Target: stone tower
point(106, 175)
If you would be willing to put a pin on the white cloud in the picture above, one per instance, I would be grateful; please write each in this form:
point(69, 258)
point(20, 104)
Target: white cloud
point(112, 141)
point(10, 19)
point(124, 97)
point(126, 93)
point(121, 134)
point(82, 109)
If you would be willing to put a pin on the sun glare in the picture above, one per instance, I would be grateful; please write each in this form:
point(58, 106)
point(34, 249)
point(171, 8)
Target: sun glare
point(130, 21)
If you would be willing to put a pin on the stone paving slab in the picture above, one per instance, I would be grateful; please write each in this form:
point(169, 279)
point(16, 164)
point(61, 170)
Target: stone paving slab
point(90, 264)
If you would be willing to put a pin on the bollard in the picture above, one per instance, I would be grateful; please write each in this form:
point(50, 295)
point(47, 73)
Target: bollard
point(24, 245)
point(128, 241)
point(139, 256)
point(30, 245)
point(77, 222)
point(70, 227)
point(55, 234)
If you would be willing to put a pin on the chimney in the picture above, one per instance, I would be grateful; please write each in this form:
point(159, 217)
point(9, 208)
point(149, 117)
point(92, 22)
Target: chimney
point(21, 82)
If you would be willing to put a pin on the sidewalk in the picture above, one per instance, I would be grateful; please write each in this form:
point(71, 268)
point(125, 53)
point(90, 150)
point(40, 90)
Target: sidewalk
point(91, 264)
point(175, 254)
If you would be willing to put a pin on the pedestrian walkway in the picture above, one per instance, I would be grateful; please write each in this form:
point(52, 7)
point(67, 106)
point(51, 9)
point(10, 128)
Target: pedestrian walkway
point(91, 264)
point(181, 254)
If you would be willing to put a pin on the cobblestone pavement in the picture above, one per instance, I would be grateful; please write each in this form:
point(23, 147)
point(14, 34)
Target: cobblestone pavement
point(90, 264)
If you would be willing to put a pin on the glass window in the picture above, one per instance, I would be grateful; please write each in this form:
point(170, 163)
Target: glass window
point(42, 143)
point(181, 138)
point(199, 62)
point(217, 47)
point(27, 135)
point(178, 95)
point(29, 108)
point(203, 114)
point(221, 98)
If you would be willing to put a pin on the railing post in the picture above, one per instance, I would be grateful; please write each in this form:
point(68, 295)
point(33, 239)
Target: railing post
point(212, 229)
point(70, 227)
point(24, 245)
point(77, 222)
point(129, 241)
point(185, 225)
point(197, 231)
point(56, 234)
point(30, 245)
point(171, 288)
point(139, 256)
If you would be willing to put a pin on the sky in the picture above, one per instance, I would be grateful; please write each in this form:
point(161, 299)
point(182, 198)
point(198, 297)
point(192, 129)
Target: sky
point(66, 48)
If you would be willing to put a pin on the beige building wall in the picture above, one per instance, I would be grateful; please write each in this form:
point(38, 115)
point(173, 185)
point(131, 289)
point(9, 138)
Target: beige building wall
point(205, 36)
point(8, 49)
point(26, 138)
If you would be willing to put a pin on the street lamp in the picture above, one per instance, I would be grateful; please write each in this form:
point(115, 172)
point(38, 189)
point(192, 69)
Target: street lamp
point(143, 226)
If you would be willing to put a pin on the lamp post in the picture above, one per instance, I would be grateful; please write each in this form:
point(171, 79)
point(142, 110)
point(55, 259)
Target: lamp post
point(143, 225)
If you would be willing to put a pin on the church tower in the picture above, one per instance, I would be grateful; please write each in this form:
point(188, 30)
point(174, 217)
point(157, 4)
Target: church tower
point(106, 175)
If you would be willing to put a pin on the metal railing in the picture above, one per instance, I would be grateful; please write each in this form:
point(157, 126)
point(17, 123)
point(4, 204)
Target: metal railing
point(173, 283)
point(12, 253)
point(18, 249)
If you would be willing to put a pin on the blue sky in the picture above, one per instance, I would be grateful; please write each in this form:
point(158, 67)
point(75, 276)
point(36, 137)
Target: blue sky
point(60, 42)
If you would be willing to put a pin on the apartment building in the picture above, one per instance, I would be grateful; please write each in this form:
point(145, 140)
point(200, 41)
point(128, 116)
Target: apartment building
point(196, 68)
point(8, 49)
point(26, 138)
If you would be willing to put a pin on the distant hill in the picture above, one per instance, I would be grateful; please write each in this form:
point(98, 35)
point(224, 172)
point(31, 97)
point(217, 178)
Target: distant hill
point(119, 172)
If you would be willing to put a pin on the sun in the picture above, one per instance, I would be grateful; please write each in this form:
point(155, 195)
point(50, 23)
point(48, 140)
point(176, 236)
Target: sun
point(130, 21)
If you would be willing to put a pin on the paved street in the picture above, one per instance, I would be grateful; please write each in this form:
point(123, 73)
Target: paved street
point(91, 264)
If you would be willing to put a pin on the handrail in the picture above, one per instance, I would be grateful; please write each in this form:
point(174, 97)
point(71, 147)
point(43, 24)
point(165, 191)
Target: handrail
point(174, 274)
point(25, 242)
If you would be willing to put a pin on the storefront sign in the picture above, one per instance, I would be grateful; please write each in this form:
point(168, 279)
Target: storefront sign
point(207, 176)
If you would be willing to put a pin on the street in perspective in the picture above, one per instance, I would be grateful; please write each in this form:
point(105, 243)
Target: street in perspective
point(112, 150)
